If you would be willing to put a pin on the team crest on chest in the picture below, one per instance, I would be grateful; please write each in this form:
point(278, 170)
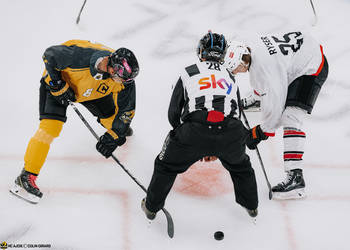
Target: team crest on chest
point(102, 88)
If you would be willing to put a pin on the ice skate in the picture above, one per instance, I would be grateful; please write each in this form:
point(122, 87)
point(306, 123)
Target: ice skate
point(129, 132)
point(252, 212)
point(292, 188)
point(26, 188)
point(150, 215)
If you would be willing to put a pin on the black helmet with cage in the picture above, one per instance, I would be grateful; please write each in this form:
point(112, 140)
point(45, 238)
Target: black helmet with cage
point(212, 47)
point(124, 63)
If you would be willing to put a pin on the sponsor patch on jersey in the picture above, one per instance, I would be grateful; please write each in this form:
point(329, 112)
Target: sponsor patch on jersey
point(102, 88)
point(126, 117)
point(211, 82)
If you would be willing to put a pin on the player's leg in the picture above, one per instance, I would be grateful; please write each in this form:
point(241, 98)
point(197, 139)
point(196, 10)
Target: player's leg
point(180, 150)
point(52, 118)
point(244, 182)
point(293, 186)
point(237, 162)
point(301, 97)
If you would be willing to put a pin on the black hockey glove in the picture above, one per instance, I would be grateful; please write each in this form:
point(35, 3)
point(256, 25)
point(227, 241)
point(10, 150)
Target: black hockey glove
point(61, 91)
point(107, 144)
point(255, 136)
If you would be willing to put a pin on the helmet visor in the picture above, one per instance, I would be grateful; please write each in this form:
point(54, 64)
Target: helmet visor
point(123, 70)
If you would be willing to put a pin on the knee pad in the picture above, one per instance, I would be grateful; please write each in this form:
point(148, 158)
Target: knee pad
point(293, 117)
point(48, 130)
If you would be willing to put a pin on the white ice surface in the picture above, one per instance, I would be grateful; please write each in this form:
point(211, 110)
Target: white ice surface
point(90, 203)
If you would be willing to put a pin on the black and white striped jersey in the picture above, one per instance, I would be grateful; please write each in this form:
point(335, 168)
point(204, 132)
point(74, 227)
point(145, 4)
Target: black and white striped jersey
point(203, 86)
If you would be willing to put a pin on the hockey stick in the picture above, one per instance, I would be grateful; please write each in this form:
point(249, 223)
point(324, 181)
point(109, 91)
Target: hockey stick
point(260, 159)
point(82, 7)
point(169, 219)
point(315, 15)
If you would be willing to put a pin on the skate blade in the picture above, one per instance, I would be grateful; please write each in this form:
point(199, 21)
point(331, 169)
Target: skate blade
point(23, 194)
point(254, 221)
point(291, 195)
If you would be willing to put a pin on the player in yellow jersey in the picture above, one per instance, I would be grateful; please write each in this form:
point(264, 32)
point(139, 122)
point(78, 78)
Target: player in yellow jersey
point(94, 75)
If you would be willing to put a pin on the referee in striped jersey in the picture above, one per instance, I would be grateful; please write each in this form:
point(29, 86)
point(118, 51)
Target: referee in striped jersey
point(204, 114)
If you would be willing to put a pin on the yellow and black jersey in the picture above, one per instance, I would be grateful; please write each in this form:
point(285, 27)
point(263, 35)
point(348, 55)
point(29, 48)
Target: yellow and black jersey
point(75, 63)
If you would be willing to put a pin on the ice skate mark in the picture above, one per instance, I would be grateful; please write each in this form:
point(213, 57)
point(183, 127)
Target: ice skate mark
point(204, 179)
point(277, 162)
point(122, 196)
point(271, 20)
point(169, 47)
point(330, 166)
point(16, 234)
point(233, 15)
point(338, 56)
point(335, 115)
point(156, 17)
point(63, 248)
point(81, 159)
point(344, 198)
point(335, 83)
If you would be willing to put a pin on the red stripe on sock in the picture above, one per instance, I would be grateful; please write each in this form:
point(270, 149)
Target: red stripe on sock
point(293, 132)
point(293, 156)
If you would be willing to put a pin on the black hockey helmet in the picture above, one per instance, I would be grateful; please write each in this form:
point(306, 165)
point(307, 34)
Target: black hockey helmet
point(124, 63)
point(212, 47)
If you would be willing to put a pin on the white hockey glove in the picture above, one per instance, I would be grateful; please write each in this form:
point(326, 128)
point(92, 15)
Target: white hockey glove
point(251, 103)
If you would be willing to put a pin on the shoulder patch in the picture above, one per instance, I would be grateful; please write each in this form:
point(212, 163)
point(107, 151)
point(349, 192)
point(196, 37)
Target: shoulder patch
point(192, 70)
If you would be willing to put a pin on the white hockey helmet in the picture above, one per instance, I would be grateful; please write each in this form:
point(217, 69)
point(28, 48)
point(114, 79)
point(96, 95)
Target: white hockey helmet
point(234, 55)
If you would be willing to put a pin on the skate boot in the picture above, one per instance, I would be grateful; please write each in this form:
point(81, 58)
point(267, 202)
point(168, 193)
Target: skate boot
point(150, 215)
point(129, 132)
point(26, 188)
point(292, 188)
point(252, 212)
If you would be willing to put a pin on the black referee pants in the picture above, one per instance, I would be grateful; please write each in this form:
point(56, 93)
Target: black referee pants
point(192, 141)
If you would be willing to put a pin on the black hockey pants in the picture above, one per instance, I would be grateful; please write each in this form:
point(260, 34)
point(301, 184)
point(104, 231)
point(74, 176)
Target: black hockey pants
point(192, 141)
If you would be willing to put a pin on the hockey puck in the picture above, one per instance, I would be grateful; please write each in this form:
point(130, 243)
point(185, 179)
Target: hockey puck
point(218, 235)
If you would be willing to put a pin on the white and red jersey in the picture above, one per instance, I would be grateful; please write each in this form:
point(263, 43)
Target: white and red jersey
point(277, 60)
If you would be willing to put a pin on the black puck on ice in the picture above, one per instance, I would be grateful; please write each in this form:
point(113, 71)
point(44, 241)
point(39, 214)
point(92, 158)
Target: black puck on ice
point(218, 235)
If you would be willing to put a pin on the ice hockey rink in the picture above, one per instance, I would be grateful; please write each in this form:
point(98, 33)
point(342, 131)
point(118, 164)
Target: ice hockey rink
point(90, 203)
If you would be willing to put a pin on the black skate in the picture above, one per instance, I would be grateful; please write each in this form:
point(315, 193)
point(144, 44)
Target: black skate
point(150, 215)
point(252, 212)
point(292, 188)
point(129, 132)
point(26, 188)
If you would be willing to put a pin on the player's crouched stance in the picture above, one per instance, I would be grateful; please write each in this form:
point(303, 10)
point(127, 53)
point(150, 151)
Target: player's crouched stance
point(96, 76)
point(205, 98)
point(287, 71)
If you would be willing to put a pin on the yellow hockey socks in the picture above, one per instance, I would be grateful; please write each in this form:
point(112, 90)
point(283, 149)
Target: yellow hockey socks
point(39, 145)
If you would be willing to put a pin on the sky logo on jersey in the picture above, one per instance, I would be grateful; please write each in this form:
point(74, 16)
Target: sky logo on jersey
point(207, 82)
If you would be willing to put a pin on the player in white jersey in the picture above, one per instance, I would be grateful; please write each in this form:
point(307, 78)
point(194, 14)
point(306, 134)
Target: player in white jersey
point(287, 71)
point(204, 114)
